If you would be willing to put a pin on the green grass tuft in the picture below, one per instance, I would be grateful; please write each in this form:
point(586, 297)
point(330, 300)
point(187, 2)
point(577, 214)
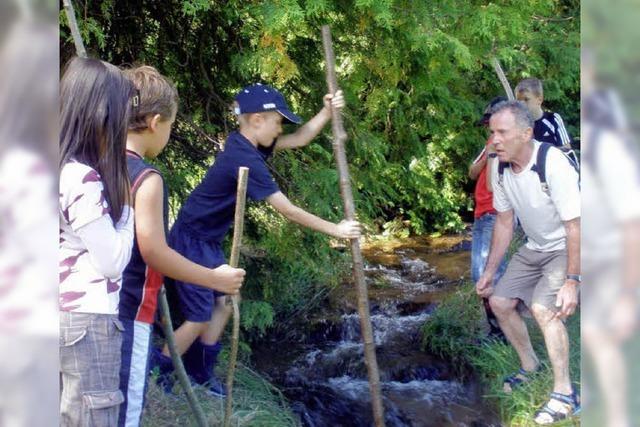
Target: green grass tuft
point(455, 327)
point(256, 403)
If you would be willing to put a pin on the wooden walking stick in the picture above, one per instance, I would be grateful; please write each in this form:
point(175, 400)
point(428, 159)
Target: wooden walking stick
point(162, 296)
point(73, 26)
point(181, 373)
point(238, 226)
point(339, 138)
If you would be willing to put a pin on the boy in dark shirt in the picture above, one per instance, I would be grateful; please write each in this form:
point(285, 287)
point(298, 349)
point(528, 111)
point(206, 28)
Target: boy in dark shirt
point(549, 126)
point(206, 216)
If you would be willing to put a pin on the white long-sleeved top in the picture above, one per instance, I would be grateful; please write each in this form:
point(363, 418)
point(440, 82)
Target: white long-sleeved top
point(93, 252)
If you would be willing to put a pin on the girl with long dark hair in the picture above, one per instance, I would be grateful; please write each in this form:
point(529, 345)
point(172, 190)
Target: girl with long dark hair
point(96, 236)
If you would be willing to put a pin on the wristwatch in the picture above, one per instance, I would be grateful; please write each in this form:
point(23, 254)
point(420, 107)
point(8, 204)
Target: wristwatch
point(576, 277)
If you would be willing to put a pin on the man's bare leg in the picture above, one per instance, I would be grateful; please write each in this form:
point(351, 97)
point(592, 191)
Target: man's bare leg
point(515, 330)
point(557, 342)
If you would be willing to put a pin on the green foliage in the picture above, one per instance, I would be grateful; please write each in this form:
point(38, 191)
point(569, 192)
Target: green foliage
point(194, 7)
point(416, 76)
point(256, 314)
point(454, 329)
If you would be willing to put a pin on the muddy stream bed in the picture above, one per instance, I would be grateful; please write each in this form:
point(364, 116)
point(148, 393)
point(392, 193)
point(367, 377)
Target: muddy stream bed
point(319, 366)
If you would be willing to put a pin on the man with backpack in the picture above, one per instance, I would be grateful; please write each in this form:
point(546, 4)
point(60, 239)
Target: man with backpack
point(544, 274)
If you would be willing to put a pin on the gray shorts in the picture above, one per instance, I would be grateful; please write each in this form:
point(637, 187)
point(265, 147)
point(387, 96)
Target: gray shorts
point(534, 277)
point(90, 369)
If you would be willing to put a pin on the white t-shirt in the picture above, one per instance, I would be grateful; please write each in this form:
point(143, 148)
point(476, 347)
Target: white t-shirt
point(93, 253)
point(541, 215)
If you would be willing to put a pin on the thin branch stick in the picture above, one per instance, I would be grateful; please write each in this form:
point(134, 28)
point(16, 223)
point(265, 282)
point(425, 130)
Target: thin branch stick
point(73, 26)
point(177, 360)
point(339, 138)
point(503, 78)
point(238, 226)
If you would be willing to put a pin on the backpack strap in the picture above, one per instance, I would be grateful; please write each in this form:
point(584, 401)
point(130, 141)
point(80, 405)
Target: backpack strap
point(540, 167)
point(501, 167)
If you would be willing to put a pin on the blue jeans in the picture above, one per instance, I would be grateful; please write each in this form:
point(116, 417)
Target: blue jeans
point(480, 246)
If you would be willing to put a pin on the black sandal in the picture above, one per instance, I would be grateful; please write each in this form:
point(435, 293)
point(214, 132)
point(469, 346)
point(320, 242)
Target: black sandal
point(559, 407)
point(514, 381)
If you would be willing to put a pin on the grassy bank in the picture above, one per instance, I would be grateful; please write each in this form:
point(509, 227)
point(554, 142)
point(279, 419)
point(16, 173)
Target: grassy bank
point(256, 403)
point(457, 332)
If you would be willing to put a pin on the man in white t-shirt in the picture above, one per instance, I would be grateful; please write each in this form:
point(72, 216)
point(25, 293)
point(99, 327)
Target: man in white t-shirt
point(544, 273)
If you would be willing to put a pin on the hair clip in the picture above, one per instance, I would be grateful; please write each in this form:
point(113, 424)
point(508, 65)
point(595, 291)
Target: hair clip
point(135, 99)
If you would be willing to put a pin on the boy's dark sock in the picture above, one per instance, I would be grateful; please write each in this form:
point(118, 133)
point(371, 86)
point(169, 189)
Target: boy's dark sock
point(193, 362)
point(211, 353)
point(164, 365)
point(200, 361)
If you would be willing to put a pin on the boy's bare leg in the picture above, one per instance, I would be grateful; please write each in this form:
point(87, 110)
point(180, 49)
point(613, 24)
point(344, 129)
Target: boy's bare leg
point(556, 340)
point(215, 327)
point(185, 335)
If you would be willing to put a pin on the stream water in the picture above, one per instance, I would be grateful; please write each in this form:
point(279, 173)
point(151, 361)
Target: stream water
point(322, 373)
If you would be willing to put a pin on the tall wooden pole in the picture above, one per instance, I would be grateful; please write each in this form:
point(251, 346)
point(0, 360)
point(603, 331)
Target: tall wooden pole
point(238, 227)
point(339, 138)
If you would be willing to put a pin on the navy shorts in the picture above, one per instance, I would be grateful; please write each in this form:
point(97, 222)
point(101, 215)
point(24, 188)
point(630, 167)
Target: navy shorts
point(197, 303)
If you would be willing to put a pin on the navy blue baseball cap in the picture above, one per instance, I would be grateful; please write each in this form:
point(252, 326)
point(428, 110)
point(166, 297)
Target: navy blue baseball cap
point(257, 98)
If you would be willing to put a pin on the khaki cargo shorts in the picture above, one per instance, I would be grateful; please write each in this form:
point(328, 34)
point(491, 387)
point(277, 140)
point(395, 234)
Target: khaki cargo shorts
point(534, 277)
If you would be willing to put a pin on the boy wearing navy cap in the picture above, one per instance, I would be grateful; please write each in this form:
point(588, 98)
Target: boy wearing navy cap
point(207, 214)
